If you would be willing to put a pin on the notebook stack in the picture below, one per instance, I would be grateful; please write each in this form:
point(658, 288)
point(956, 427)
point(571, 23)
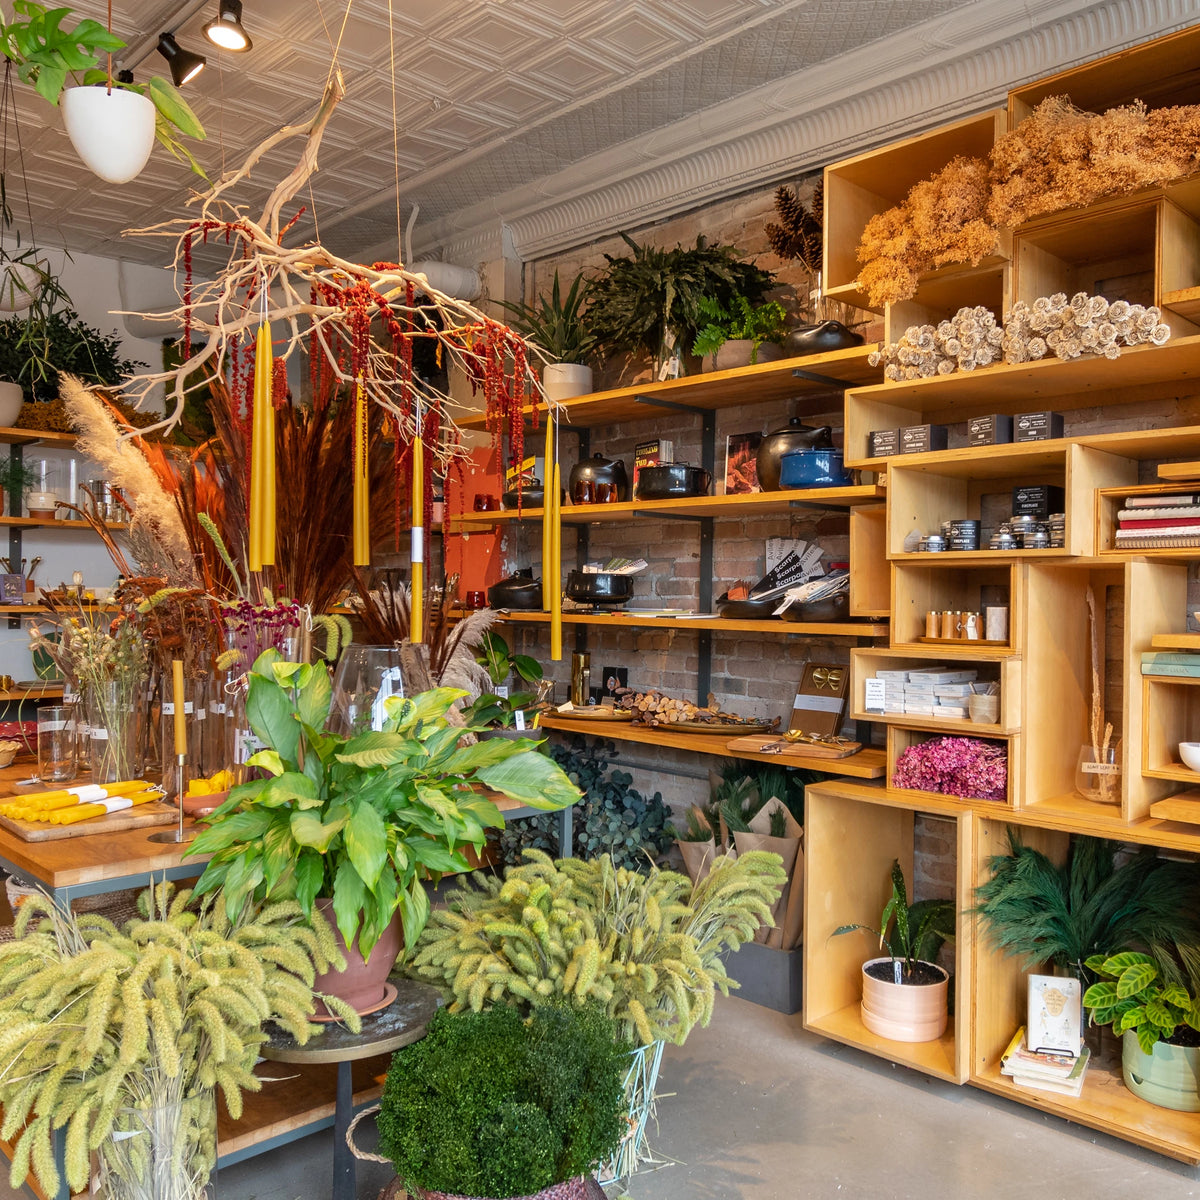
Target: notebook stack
point(929, 692)
point(1044, 1072)
point(1166, 520)
point(1173, 662)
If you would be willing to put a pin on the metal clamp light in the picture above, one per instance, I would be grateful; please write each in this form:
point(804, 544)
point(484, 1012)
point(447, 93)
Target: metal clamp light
point(184, 64)
point(226, 31)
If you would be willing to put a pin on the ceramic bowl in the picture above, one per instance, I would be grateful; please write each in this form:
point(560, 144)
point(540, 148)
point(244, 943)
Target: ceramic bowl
point(1190, 753)
point(201, 806)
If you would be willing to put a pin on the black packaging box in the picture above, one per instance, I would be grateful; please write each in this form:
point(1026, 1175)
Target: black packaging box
point(1037, 500)
point(881, 443)
point(1037, 426)
point(994, 430)
point(917, 439)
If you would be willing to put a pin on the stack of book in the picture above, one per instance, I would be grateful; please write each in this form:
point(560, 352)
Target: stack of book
point(1163, 521)
point(929, 692)
point(1044, 1071)
point(1174, 662)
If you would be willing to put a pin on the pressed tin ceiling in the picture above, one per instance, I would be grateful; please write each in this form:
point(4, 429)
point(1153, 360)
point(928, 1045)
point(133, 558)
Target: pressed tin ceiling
point(493, 97)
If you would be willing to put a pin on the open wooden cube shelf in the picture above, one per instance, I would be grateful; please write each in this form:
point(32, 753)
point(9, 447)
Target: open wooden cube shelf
point(933, 582)
point(1111, 500)
point(944, 292)
point(901, 737)
point(997, 1008)
point(1170, 715)
point(843, 889)
point(1004, 669)
point(870, 577)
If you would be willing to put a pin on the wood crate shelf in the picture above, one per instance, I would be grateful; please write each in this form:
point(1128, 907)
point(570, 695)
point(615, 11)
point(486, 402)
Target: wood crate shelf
point(10, 436)
point(933, 1058)
point(631, 620)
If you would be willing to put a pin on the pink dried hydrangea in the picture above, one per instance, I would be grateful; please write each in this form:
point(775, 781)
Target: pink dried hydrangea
point(955, 766)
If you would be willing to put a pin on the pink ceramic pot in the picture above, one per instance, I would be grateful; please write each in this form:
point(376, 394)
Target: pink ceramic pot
point(904, 1012)
point(362, 983)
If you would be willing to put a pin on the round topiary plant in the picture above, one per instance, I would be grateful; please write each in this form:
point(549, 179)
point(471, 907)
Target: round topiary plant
point(490, 1104)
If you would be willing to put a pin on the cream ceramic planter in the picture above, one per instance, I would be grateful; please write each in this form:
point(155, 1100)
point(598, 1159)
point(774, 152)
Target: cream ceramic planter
point(11, 399)
point(113, 132)
point(1170, 1077)
point(19, 284)
point(738, 352)
point(562, 381)
point(904, 1012)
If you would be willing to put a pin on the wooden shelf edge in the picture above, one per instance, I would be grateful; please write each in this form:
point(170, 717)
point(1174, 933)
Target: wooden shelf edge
point(631, 620)
point(948, 725)
point(845, 1026)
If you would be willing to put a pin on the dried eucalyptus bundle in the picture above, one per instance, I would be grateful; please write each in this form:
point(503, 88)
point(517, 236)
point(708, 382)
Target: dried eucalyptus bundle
point(96, 1021)
point(647, 946)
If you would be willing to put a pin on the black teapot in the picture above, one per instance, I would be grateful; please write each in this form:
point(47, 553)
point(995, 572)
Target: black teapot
point(820, 338)
point(598, 480)
point(793, 436)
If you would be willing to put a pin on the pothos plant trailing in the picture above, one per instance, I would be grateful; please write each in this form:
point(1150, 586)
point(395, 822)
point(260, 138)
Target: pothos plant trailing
point(362, 820)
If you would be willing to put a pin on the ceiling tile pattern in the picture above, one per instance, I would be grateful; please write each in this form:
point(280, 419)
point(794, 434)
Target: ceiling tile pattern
point(490, 95)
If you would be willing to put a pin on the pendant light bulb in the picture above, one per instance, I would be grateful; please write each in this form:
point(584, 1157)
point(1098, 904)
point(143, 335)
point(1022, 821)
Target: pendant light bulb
point(185, 65)
point(226, 31)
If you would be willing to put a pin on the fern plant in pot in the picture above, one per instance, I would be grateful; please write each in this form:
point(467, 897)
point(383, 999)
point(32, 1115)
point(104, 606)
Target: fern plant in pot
point(354, 825)
point(904, 991)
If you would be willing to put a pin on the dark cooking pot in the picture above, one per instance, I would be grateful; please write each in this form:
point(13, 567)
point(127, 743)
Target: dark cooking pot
point(813, 469)
point(670, 481)
point(746, 610)
point(533, 496)
point(597, 480)
point(820, 338)
point(835, 608)
point(520, 591)
point(602, 587)
point(794, 436)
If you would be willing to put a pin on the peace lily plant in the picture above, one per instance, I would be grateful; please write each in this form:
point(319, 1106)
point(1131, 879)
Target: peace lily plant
point(362, 820)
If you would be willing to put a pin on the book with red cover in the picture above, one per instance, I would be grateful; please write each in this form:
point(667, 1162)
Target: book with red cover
point(651, 454)
point(1164, 523)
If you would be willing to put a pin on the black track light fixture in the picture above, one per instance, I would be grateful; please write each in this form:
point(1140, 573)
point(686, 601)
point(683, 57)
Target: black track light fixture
point(226, 31)
point(184, 64)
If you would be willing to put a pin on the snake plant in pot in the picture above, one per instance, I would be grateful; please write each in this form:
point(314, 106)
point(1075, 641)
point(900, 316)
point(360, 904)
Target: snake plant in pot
point(354, 825)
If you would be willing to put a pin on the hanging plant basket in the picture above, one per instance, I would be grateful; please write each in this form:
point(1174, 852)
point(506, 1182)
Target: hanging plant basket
point(112, 131)
point(20, 283)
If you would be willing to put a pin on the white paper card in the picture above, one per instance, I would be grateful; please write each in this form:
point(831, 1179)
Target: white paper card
point(875, 696)
point(1054, 1018)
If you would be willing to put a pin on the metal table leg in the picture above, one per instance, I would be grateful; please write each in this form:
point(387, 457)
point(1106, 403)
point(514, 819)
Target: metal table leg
point(343, 1158)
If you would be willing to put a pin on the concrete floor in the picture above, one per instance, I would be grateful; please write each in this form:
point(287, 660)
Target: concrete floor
point(754, 1108)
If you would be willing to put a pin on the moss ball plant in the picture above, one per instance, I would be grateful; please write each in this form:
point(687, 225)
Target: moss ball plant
point(492, 1104)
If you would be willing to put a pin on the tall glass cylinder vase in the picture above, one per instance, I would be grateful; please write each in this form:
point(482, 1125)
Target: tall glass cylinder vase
point(162, 1152)
point(114, 717)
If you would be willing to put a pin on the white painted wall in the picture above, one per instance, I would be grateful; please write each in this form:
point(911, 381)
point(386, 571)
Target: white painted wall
point(94, 285)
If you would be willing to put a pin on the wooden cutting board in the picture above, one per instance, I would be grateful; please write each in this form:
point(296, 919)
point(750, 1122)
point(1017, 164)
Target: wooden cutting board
point(765, 744)
point(141, 816)
point(1184, 807)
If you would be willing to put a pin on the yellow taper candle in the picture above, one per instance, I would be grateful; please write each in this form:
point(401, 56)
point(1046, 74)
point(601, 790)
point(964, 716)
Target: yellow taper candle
point(555, 568)
point(362, 487)
point(262, 455)
point(417, 606)
point(177, 693)
point(547, 508)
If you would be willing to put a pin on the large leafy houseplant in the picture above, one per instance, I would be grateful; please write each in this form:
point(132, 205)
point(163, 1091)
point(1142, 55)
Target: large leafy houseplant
point(650, 299)
point(361, 820)
point(492, 1104)
point(557, 322)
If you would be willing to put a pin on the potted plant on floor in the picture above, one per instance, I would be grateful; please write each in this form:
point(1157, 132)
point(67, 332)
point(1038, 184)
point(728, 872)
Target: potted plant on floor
point(495, 1104)
point(904, 992)
point(557, 324)
point(740, 333)
point(111, 1033)
point(1158, 1023)
point(353, 826)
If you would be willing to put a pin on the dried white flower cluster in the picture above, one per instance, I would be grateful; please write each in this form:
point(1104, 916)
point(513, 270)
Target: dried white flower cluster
point(970, 339)
point(1049, 327)
point(1086, 325)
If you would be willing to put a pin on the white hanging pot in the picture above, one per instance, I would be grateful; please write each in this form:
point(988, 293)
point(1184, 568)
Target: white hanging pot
point(113, 132)
point(562, 381)
point(11, 399)
point(19, 284)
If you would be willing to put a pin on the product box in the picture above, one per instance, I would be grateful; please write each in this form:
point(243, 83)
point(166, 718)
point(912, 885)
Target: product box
point(741, 463)
point(650, 454)
point(821, 698)
point(12, 589)
point(994, 430)
point(1037, 500)
point(883, 442)
point(1037, 426)
point(917, 439)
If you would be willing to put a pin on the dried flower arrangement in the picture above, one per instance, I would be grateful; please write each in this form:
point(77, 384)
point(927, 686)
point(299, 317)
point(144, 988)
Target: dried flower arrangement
point(1058, 157)
point(954, 766)
point(970, 339)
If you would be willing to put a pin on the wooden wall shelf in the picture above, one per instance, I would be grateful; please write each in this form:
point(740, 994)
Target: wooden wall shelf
point(630, 619)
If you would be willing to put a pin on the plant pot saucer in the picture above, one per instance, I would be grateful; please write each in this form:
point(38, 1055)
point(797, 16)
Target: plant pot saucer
point(389, 994)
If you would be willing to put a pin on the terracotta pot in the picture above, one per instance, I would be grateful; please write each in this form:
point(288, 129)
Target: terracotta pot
point(362, 983)
point(904, 1012)
point(1170, 1077)
point(739, 352)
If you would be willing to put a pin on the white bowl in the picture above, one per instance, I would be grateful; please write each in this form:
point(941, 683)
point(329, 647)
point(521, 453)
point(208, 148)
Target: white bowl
point(1190, 753)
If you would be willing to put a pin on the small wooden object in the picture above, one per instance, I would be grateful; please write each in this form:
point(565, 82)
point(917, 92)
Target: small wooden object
point(1183, 807)
point(785, 749)
point(821, 698)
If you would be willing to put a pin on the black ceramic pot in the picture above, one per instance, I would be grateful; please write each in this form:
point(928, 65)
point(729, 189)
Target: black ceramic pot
point(820, 338)
point(671, 481)
point(835, 608)
point(520, 591)
point(746, 610)
point(602, 587)
point(598, 480)
point(794, 436)
point(533, 496)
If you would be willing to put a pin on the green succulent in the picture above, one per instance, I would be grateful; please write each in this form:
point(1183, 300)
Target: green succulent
point(557, 323)
point(1132, 993)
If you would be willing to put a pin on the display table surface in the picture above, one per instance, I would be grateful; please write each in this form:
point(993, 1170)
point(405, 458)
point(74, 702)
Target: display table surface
point(403, 1022)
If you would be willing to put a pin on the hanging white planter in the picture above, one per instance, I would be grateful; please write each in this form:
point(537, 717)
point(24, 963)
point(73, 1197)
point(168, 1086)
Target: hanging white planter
point(562, 381)
point(113, 132)
point(19, 284)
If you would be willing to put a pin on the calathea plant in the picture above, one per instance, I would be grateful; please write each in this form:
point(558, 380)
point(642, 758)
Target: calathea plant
point(362, 820)
point(1131, 992)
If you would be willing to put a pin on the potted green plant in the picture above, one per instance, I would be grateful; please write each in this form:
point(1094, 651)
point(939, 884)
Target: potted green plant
point(496, 710)
point(740, 333)
point(558, 325)
point(495, 1104)
point(112, 127)
point(16, 478)
point(1158, 1022)
point(904, 991)
point(352, 826)
point(649, 300)
point(111, 1033)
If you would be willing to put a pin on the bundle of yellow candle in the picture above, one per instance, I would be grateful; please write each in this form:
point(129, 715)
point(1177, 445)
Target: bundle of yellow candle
point(262, 455)
point(78, 803)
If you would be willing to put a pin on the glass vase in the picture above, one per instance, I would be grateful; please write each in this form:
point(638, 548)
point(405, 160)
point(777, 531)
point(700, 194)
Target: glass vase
point(114, 717)
point(1098, 776)
point(161, 1152)
point(365, 678)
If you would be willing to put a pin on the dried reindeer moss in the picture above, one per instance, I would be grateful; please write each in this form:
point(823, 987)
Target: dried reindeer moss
point(51, 416)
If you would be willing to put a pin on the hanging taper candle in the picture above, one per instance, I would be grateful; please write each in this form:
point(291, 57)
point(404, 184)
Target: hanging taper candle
point(417, 605)
point(547, 507)
point(362, 487)
point(555, 505)
point(262, 455)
